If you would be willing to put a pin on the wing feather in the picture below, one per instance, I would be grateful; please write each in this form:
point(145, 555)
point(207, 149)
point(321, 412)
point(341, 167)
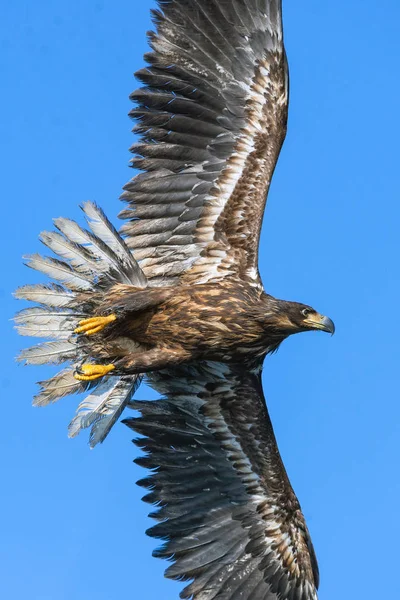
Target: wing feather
point(227, 513)
point(212, 119)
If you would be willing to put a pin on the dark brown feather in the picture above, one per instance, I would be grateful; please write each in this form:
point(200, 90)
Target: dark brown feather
point(228, 515)
point(212, 117)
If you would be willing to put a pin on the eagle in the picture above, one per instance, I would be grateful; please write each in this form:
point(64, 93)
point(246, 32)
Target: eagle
point(176, 298)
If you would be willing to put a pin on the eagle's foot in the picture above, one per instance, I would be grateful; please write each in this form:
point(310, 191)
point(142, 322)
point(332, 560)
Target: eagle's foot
point(92, 372)
point(94, 324)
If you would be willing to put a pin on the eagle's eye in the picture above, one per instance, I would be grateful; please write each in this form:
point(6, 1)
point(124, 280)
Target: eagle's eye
point(306, 311)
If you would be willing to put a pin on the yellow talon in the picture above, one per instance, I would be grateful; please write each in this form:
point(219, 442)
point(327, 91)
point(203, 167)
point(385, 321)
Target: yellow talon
point(91, 372)
point(94, 324)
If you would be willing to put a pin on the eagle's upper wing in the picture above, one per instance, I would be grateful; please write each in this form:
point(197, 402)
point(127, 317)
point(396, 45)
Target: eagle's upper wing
point(212, 118)
point(229, 517)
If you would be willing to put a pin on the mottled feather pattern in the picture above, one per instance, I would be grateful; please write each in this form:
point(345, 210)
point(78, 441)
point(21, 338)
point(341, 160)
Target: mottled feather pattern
point(186, 303)
point(212, 118)
point(92, 262)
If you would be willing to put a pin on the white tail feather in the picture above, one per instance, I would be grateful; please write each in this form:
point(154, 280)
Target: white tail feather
point(51, 295)
point(79, 257)
point(91, 262)
point(102, 227)
point(62, 384)
point(80, 236)
point(103, 407)
point(48, 353)
point(97, 247)
point(46, 323)
point(60, 271)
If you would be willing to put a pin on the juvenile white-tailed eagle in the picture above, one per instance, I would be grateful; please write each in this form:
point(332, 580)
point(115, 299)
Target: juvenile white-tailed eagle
point(179, 299)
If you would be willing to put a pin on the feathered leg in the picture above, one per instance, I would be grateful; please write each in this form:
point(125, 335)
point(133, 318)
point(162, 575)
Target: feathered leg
point(136, 363)
point(152, 360)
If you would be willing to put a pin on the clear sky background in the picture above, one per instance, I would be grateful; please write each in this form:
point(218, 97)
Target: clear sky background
point(72, 520)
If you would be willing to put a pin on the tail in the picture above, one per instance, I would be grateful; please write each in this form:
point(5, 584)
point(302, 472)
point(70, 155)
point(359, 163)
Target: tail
point(89, 261)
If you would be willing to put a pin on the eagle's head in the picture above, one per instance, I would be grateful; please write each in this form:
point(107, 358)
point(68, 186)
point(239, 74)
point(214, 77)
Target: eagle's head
point(300, 317)
point(284, 318)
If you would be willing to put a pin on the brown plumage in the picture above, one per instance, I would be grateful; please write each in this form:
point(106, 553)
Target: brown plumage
point(179, 299)
point(228, 321)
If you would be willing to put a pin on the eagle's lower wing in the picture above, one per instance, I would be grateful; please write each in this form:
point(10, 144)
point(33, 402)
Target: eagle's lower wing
point(228, 514)
point(212, 118)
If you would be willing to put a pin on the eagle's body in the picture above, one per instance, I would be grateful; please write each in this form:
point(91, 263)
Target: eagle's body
point(179, 299)
point(204, 322)
point(231, 321)
point(209, 322)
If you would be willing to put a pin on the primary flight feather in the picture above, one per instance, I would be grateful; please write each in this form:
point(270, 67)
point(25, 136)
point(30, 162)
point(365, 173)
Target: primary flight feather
point(179, 299)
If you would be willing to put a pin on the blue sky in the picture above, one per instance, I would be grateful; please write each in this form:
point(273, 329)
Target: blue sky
point(73, 521)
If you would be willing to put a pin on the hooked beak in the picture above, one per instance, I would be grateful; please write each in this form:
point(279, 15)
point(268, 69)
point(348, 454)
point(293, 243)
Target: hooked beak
point(318, 321)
